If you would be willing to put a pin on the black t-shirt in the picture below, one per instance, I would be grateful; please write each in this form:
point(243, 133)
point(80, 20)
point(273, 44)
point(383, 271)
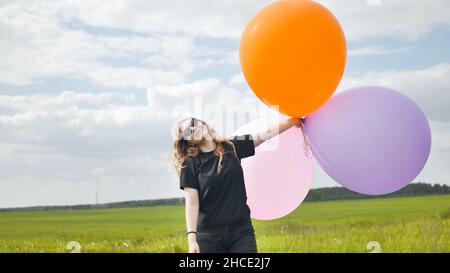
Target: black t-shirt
point(223, 198)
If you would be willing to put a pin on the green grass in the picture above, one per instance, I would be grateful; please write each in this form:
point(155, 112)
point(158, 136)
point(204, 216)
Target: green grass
point(408, 224)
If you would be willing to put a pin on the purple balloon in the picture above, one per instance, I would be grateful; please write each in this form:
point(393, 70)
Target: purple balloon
point(371, 140)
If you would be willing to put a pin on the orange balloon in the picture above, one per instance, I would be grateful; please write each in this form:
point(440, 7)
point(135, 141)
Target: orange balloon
point(293, 55)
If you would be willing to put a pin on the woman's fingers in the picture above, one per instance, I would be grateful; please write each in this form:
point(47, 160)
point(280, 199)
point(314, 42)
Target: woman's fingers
point(300, 122)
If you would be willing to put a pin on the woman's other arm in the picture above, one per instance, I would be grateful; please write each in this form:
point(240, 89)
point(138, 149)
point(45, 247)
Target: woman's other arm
point(192, 208)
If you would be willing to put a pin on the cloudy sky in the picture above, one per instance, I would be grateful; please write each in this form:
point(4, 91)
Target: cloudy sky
point(90, 90)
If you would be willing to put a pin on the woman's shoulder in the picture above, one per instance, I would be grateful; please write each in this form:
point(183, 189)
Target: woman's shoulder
point(191, 160)
point(228, 144)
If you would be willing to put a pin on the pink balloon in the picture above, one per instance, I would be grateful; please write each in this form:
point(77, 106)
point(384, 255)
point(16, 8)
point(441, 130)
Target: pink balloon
point(278, 177)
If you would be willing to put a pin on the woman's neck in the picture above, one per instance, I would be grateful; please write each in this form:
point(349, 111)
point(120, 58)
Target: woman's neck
point(207, 146)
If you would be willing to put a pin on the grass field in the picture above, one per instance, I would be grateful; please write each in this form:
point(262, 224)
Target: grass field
point(408, 224)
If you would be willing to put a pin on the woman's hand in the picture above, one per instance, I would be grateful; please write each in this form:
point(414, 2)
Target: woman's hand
point(297, 122)
point(193, 245)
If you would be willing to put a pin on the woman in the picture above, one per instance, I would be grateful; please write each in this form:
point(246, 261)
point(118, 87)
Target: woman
point(211, 175)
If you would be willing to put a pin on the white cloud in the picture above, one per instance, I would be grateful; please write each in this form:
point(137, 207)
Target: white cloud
point(226, 19)
point(435, 170)
point(56, 148)
point(428, 87)
point(223, 19)
point(375, 50)
point(39, 46)
point(64, 100)
point(237, 79)
point(54, 143)
point(201, 87)
point(50, 38)
point(392, 18)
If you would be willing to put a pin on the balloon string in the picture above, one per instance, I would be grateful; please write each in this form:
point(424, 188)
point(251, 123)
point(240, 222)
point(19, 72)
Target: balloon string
point(306, 146)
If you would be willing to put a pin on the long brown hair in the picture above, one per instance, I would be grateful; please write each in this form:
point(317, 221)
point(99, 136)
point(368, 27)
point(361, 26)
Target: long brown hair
point(181, 148)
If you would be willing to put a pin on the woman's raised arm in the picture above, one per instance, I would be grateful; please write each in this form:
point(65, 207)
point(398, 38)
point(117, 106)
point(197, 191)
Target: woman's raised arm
point(276, 130)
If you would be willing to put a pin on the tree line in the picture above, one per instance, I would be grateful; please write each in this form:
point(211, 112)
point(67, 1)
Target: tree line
point(314, 195)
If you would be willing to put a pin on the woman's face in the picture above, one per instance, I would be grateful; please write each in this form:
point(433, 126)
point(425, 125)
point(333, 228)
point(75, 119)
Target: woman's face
point(197, 133)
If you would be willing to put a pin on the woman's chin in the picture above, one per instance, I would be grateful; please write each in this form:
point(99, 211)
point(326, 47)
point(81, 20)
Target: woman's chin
point(195, 141)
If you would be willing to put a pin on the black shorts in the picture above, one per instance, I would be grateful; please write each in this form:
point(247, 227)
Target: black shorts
point(237, 237)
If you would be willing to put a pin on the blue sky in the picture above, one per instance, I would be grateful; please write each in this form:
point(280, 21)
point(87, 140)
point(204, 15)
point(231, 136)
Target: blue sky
point(88, 88)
